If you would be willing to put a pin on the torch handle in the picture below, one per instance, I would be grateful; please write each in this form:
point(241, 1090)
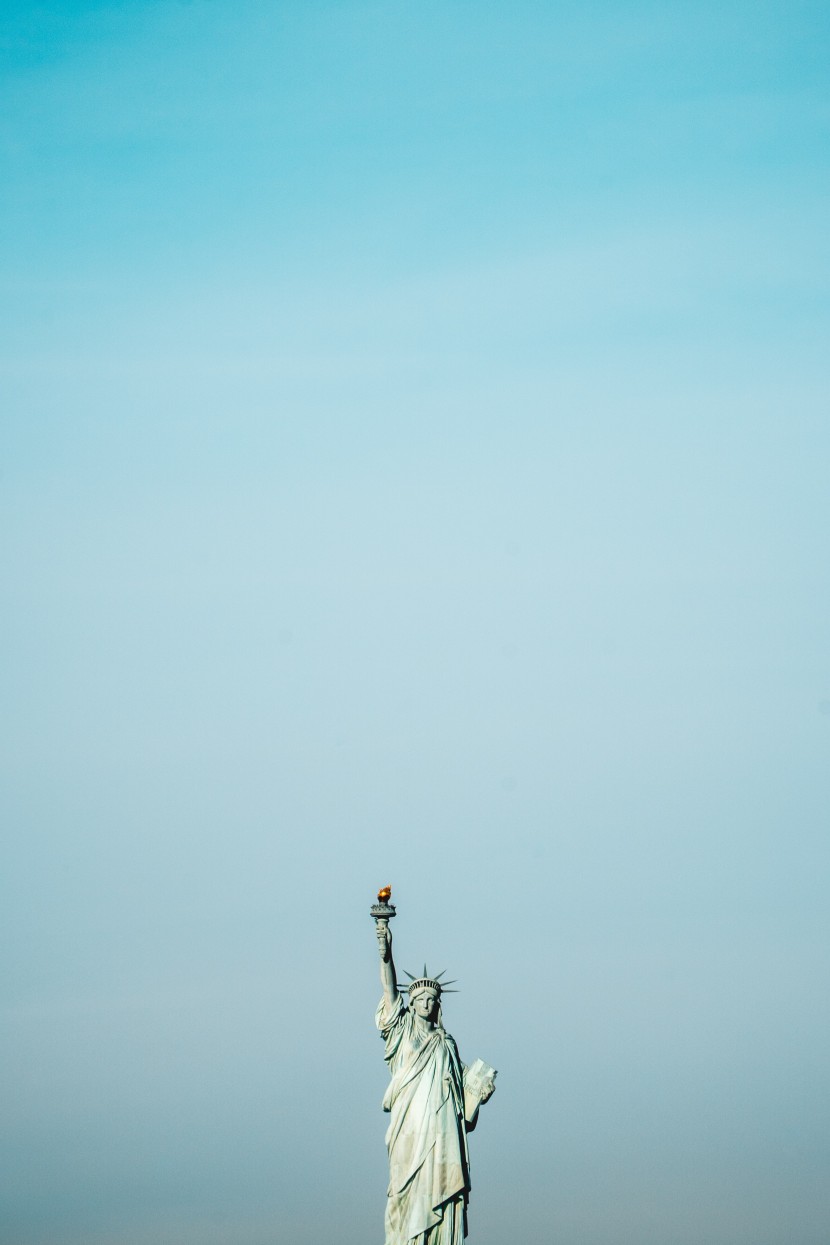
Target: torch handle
point(384, 938)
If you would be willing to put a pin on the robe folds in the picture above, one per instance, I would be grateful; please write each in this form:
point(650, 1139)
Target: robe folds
point(429, 1168)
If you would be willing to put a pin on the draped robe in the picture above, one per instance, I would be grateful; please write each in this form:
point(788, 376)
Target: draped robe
point(429, 1179)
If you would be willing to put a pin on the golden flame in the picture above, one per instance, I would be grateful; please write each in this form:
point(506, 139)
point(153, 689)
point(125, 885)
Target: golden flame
point(385, 894)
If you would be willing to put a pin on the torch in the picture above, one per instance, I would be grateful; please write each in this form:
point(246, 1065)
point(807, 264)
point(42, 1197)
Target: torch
point(383, 910)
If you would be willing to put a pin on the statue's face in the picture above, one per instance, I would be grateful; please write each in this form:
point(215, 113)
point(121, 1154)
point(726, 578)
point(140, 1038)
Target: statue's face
point(426, 1004)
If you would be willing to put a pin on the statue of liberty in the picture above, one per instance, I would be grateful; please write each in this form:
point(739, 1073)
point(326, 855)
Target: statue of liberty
point(433, 1100)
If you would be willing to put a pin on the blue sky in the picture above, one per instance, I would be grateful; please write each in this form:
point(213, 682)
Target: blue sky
point(414, 469)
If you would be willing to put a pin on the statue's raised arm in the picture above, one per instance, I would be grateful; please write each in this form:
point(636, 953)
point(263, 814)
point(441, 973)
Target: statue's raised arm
point(382, 912)
point(388, 977)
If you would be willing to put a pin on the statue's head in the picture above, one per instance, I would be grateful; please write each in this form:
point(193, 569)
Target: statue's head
point(425, 995)
point(425, 1001)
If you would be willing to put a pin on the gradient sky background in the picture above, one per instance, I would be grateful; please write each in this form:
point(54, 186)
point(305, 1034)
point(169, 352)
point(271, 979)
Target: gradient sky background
point(415, 468)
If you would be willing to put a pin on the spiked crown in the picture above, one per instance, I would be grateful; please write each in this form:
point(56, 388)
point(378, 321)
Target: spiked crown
point(426, 982)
